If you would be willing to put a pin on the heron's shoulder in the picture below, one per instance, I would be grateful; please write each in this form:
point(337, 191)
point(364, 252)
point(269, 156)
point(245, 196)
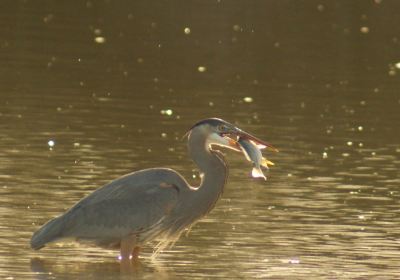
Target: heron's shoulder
point(137, 183)
point(152, 176)
point(162, 171)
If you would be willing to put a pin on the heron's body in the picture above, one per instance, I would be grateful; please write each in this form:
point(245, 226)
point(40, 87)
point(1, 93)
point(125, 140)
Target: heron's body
point(151, 204)
point(144, 205)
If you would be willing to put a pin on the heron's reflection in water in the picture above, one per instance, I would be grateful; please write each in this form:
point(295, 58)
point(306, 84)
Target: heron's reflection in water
point(137, 269)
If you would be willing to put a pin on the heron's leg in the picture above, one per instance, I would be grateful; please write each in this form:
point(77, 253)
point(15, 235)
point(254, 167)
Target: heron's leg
point(135, 253)
point(127, 245)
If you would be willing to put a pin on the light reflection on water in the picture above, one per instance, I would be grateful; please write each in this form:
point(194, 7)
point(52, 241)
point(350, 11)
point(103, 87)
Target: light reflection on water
point(332, 216)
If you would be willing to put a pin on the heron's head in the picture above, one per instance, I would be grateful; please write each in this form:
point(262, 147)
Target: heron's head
point(222, 133)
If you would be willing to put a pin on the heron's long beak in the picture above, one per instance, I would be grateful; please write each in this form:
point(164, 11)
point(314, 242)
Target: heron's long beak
point(242, 134)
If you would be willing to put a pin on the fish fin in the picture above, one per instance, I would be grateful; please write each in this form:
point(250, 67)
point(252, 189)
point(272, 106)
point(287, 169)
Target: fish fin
point(265, 162)
point(257, 173)
point(258, 145)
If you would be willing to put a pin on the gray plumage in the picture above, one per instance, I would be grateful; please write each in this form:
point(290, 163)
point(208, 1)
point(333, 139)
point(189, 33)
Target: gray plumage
point(151, 204)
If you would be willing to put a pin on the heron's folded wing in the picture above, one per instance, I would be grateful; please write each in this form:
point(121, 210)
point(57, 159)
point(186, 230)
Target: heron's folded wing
point(124, 210)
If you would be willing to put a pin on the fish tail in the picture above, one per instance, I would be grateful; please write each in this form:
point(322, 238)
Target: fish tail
point(257, 173)
point(265, 162)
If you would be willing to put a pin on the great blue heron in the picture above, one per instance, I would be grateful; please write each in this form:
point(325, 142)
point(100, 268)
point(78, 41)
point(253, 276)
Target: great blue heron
point(150, 204)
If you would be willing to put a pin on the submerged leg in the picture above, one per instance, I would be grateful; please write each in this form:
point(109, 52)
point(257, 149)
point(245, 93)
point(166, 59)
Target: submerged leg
point(135, 253)
point(127, 246)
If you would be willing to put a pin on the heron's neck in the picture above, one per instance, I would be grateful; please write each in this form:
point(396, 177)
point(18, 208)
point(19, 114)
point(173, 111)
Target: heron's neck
point(212, 168)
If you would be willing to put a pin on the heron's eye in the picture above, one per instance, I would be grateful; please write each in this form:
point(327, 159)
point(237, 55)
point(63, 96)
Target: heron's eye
point(222, 128)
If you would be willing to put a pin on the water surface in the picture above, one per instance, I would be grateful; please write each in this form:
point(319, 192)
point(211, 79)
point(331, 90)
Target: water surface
point(116, 85)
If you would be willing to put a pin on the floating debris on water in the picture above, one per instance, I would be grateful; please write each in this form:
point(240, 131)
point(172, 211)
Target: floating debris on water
point(187, 30)
point(201, 69)
point(237, 28)
point(48, 18)
point(97, 31)
point(51, 144)
point(294, 261)
point(349, 143)
point(364, 29)
point(100, 40)
point(324, 155)
point(167, 112)
point(248, 99)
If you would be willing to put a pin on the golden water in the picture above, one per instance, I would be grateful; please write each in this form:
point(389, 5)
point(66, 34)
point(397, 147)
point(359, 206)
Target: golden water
point(116, 85)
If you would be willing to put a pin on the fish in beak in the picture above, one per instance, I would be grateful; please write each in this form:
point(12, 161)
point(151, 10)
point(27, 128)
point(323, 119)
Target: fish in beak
point(251, 147)
point(221, 133)
point(240, 134)
point(254, 155)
